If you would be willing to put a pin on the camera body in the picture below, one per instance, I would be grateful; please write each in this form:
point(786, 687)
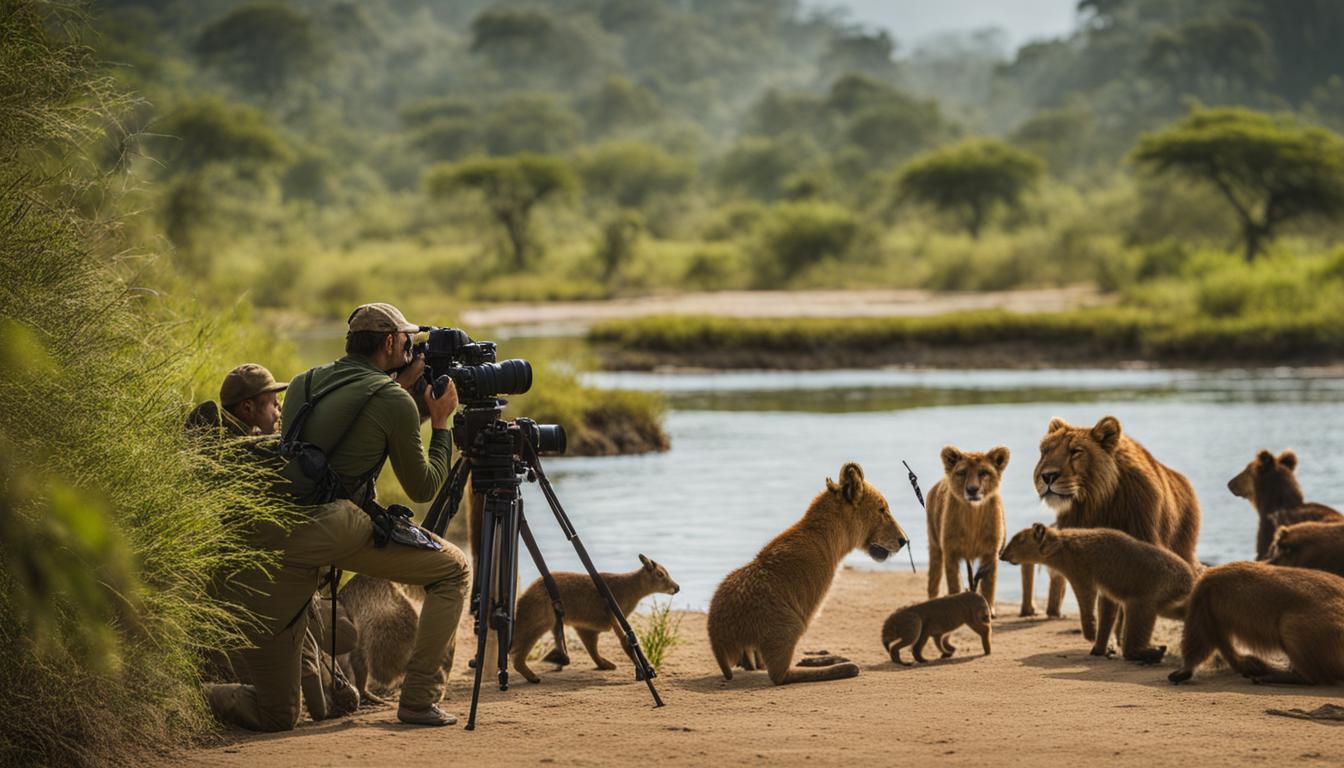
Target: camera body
point(451, 355)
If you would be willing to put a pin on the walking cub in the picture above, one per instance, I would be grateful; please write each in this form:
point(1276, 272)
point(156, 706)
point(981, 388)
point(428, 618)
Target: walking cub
point(1266, 608)
point(914, 625)
point(1270, 484)
point(1146, 580)
point(385, 615)
point(965, 519)
point(585, 610)
point(1318, 545)
point(760, 610)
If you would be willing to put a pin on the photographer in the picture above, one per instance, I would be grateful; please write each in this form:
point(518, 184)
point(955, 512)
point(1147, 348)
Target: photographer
point(359, 416)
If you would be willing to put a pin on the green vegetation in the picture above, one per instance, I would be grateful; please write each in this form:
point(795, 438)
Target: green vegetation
point(970, 178)
point(1270, 170)
point(658, 631)
point(113, 526)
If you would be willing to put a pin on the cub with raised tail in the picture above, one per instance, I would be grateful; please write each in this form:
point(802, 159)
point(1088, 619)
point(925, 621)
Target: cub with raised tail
point(1147, 580)
point(761, 610)
point(585, 610)
point(936, 618)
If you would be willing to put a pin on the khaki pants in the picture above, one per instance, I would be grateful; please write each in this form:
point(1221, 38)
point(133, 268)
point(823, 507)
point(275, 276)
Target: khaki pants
point(337, 534)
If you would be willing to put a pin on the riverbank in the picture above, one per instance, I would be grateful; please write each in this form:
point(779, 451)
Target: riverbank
point(1038, 700)
point(1095, 337)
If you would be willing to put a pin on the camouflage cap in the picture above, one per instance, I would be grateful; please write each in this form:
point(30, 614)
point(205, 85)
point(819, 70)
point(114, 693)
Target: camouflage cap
point(247, 380)
point(380, 317)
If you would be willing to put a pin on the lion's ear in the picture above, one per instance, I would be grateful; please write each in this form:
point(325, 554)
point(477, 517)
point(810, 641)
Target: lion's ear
point(999, 456)
point(851, 481)
point(950, 458)
point(1288, 459)
point(1057, 424)
point(1266, 459)
point(1038, 532)
point(1107, 433)
point(831, 486)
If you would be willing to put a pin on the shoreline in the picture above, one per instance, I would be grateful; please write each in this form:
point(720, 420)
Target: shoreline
point(1038, 699)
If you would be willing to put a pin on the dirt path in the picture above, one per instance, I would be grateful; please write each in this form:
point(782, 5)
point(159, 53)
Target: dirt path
point(576, 316)
point(1040, 699)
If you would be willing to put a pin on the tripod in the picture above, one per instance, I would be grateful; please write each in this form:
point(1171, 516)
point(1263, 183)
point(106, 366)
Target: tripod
point(496, 455)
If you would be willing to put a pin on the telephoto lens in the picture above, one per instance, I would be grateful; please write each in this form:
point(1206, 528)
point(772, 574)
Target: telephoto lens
point(511, 377)
point(545, 439)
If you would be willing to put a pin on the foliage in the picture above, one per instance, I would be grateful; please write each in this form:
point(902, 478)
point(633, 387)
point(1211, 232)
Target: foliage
point(630, 173)
point(511, 187)
point(114, 526)
point(797, 234)
point(659, 632)
point(1271, 169)
point(971, 177)
point(261, 46)
point(597, 422)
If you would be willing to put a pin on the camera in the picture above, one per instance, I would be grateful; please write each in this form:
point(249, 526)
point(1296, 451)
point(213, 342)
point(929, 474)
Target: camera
point(450, 354)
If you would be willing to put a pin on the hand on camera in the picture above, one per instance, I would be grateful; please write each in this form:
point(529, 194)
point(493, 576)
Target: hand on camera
point(441, 408)
point(410, 375)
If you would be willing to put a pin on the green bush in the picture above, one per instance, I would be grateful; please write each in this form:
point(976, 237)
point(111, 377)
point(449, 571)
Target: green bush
point(797, 234)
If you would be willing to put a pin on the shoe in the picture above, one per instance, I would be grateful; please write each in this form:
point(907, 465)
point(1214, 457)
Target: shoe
point(430, 715)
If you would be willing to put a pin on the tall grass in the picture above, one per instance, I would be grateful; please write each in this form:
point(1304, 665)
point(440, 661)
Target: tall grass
point(659, 631)
point(113, 527)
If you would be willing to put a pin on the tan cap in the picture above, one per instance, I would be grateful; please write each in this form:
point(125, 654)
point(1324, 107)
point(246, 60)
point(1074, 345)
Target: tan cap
point(380, 317)
point(247, 380)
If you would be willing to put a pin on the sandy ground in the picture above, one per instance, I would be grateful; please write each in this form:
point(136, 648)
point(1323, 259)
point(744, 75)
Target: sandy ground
point(575, 316)
point(1039, 699)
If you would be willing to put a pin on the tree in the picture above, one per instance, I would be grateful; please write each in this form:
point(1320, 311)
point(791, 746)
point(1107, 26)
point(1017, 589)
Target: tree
point(970, 177)
point(263, 46)
point(631, 173)
point(1271, 169)
point(213, 131)
point(511, 186)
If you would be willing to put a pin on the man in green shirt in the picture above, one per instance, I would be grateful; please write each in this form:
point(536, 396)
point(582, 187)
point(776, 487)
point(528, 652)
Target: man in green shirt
point(363, 417)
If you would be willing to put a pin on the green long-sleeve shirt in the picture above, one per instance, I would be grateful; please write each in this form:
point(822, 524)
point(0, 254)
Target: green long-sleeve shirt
point(387, 426)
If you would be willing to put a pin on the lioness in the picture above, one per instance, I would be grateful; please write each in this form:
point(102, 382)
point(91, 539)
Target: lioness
point(762, 609)
point(1097, 477)
point(1266, 608)
point(1270, 484)
point(965, 519)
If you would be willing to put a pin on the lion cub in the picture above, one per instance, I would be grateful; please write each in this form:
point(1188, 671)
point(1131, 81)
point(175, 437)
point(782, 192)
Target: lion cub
point(385, 615)
point(1147, 580)
point(1270, 484)
point(935, 619)
point(965, 519)
point(760, 610)
point(1266, 608)
point(585, 610)
point(1318, 545)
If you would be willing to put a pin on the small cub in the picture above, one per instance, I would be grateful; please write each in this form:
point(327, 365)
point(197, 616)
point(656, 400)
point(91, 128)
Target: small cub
point(1318, 545)
point(1270, 484)
point(585, 610)
point(936, 618)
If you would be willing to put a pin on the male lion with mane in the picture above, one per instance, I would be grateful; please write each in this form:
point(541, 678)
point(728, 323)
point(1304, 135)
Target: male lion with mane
point(1097, 477)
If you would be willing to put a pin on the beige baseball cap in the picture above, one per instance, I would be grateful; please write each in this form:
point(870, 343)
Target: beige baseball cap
point(247, 380)
point(380, 317)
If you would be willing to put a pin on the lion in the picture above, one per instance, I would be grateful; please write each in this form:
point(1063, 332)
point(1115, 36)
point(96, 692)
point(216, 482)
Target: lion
point(1315, 544)
point(965, 520)
point(1270, 485)
point(1098, 477)
point(761, 610)
point(1266, 608)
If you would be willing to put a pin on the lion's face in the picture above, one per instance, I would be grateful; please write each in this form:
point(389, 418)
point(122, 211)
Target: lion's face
point(870, 516)
point(1078, 463)
point(974, 477)
point(1265, 471)
point(1030, 545)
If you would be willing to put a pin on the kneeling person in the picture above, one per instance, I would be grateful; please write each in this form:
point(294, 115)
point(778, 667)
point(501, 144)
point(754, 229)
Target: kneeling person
point(359, 416)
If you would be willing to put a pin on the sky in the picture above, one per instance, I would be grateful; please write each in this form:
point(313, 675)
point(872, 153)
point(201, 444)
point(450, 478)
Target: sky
point(911, 21)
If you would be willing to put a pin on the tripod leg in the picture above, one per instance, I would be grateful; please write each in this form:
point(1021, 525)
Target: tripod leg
point(506, 576)
point(559, 654)
point(616, 629)
point(482, 617)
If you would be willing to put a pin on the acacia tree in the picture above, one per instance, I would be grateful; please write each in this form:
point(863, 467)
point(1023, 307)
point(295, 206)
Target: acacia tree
point(970, 178)
point(261, 46)
point(1271, 169)
point(511, 186)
